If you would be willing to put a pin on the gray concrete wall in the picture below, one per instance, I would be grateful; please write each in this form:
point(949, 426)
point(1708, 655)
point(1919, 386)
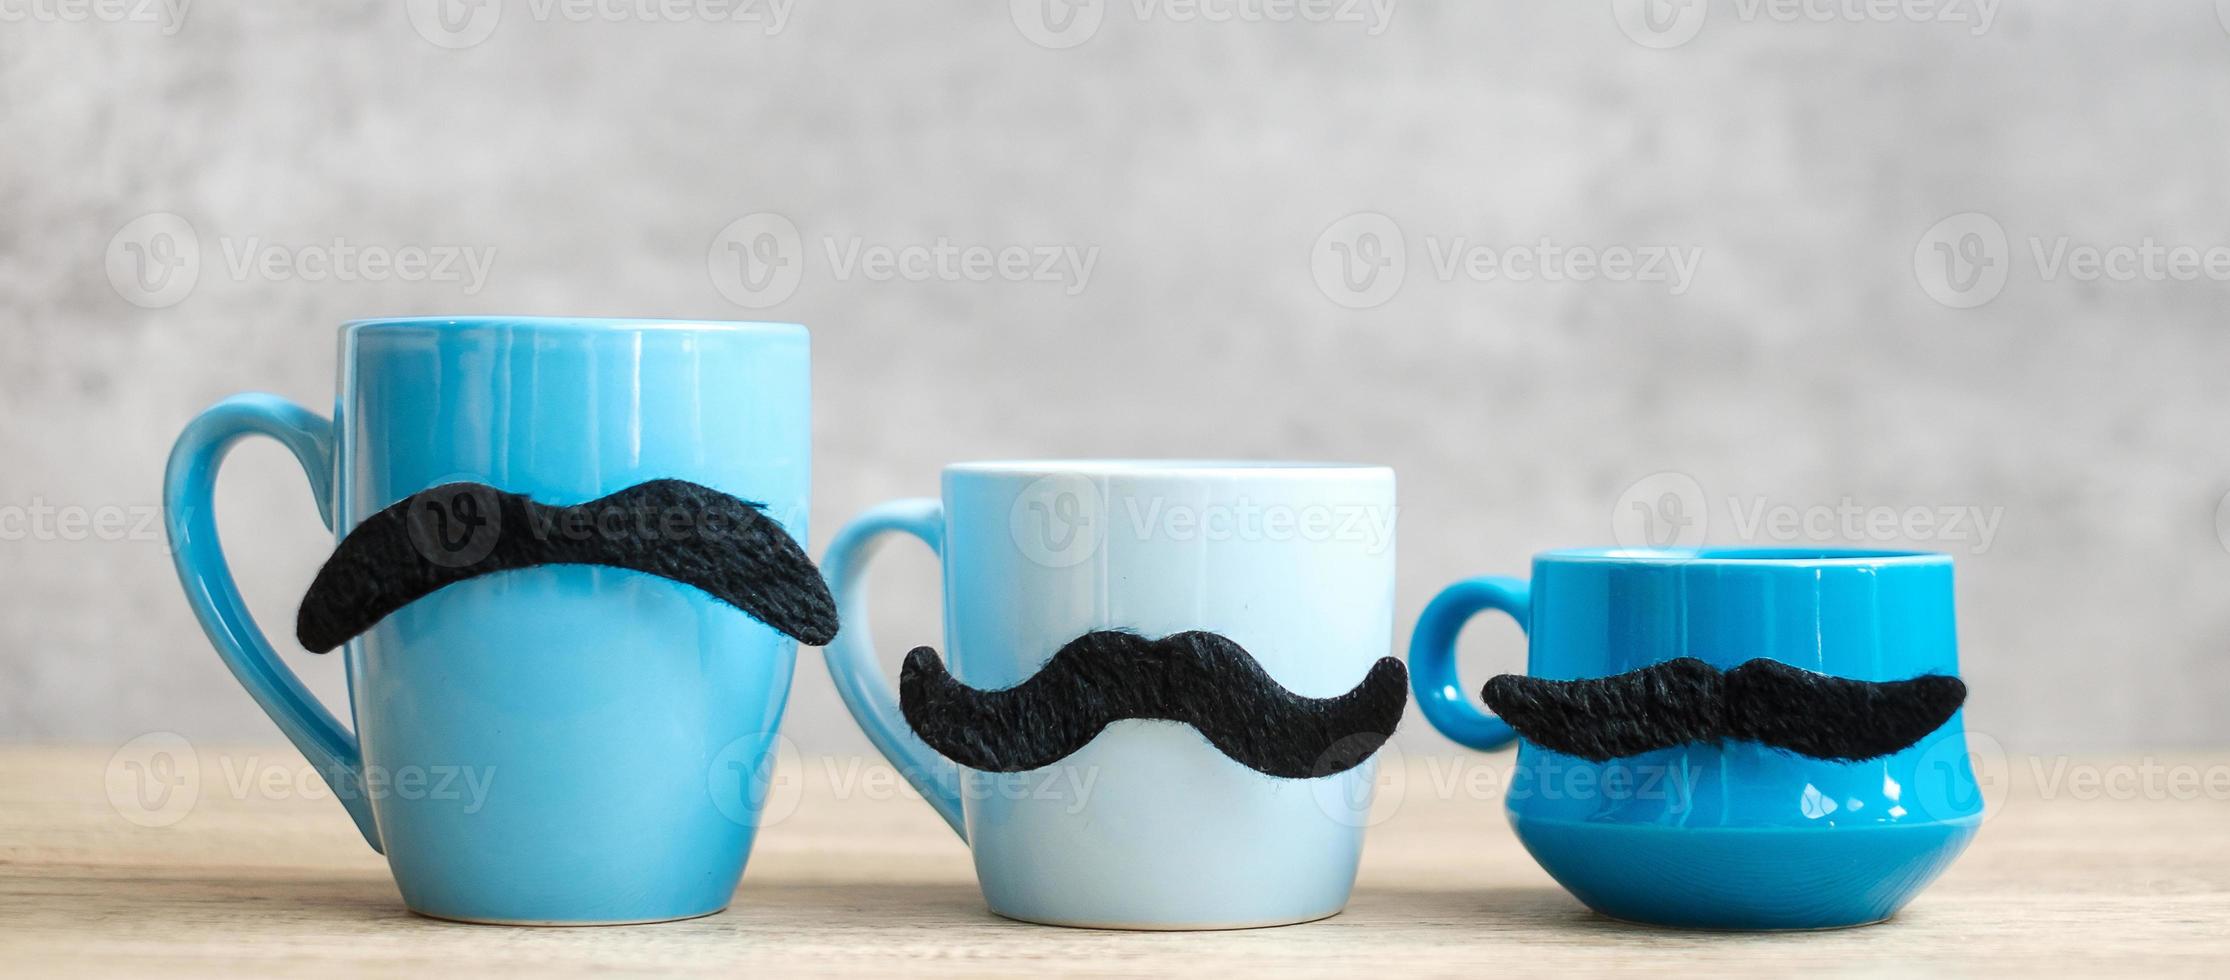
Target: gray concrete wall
point(1836, 345)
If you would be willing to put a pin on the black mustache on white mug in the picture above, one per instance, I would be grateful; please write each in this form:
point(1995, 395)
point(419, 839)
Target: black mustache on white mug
point(1196, 677)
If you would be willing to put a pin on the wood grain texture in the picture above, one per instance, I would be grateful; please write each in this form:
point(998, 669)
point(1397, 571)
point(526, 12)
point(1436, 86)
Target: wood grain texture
point(2068, 875)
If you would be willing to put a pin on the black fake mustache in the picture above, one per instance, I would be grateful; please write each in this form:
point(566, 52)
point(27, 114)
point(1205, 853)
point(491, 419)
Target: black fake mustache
point(674, 529)
point(1198, 678)
point(1686, 701)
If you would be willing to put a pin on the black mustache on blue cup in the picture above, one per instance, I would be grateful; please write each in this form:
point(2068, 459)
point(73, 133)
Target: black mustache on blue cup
point(1198, 678)
point(1686, 701)
point(677, 530)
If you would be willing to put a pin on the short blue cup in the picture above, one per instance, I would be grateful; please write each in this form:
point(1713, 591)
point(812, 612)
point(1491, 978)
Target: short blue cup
point(562, 745)
point(1732, 834)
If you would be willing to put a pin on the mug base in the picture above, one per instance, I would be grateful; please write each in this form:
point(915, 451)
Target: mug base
point(1745, 879)
point(1839, 927)
point(1165, 926)
point(563, 923)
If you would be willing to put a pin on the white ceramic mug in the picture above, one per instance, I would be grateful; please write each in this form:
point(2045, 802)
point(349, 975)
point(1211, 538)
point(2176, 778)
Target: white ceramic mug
point(1149, 826)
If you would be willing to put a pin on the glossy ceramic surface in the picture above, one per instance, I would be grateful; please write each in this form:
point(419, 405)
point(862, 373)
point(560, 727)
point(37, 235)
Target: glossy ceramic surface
point(558, 745)
point(1147, 827)
point(1735, 835)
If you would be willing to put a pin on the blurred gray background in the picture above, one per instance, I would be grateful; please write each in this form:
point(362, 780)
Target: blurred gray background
point(1288, 212)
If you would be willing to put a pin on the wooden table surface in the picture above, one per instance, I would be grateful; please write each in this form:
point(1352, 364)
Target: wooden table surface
point(2087, 864)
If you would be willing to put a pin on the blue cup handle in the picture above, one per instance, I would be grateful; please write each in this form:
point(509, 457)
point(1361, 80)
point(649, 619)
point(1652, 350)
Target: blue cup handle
point(188, 486)
point(1441, 695)
point(851, 656)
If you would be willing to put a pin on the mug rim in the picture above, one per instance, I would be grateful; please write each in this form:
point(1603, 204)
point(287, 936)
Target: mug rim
point(1743, 556)
point(1150, 467)
point(574, 323)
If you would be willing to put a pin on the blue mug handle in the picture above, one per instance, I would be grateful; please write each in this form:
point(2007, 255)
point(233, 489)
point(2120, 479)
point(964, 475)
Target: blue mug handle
point(1432, 657)
point(851, 656)
point(188, 486)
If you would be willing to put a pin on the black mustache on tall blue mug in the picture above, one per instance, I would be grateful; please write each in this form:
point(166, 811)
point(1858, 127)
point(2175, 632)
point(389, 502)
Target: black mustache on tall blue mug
point(615, 688)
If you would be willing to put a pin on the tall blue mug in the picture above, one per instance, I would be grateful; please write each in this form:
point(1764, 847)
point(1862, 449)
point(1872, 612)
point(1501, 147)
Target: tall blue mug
point(561, 744)
point(1732, 834)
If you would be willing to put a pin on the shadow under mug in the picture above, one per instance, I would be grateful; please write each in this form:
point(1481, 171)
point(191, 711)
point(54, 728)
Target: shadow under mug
point(556, 745)
point(1148, 826)
point(1731, 835)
